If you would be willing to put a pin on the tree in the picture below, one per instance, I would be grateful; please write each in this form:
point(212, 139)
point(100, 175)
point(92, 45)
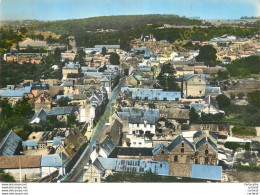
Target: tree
point(223, 101)
point(80, 57)
point(208, 55)
point(64, 101)
point(5, 177)
point(71, 120)
point(23, 108)
point(114, 59)
point(194, 116)
point(222, 75)
point(167, 79)
point(104, 51)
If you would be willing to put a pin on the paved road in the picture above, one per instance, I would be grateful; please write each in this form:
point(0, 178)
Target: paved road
point(76, 173)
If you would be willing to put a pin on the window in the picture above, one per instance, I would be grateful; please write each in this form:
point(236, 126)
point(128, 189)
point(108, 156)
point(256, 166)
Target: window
point(134, 143)
point(182, 144)
point(206, 152)
point(146, 98)
point(206, 160)
point(162, 151)
point(200, 92)
point(176, 99)
point(164, 99)
point(140, 143)
point(138, 125)
point(151, 126)
point(196, 161)
point(133, 132)
point(175, 158)
point(145, 125)
point(95, 179)
point(182, 150)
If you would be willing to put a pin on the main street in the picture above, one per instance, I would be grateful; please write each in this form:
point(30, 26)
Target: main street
point(75, 174)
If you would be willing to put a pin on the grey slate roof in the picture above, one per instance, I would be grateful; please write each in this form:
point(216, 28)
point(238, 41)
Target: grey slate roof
point(158, 148)
point(30, 144)
point(61, 110)
point(51, 161)
point(68, 83)
point(9, 144)
point(198, 106)
point(177, 141)
point(212, 101)
point(189, 76)
point(153, 94)
point(135, 166)
point(206, 172)
point(136, 115)
point(57, 141)
point(108, 145)
point(133, 151)
point(71, 66)
point(206, 140)
point(212, 90)
point(11, 92)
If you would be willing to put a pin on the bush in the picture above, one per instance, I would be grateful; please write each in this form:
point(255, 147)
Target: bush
point(248, 168)
point(5, 177)
point(254, 98)
point(235, 145)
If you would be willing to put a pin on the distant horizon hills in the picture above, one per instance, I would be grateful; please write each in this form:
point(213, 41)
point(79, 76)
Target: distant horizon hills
point(94, 17)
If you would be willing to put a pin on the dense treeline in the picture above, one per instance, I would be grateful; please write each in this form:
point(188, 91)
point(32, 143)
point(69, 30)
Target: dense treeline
point(122, 23)
point(12, 73)
point(89, 39)
point(7, 38)
point(244, 67)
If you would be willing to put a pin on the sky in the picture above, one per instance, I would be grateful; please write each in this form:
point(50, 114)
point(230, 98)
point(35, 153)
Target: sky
point(72, 9)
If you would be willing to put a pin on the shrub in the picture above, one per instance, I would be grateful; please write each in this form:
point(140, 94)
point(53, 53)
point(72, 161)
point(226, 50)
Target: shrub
point(254, 98)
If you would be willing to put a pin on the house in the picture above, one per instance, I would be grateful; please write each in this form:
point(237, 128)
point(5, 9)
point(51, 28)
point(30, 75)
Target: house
point(60, 112)
point(71, 144)
point(175, 116)
point(70, 68)
point(194, 85)
point(212, 91)
point(220, 130)
point(52, 163)
point(11, 144)
point(210, 106)
point(153, 94)
point(27, 145)
point(181, 153)
point(13, 94)
point(68, 56)
point(105, 82)
point(68, 88)
point(26, 168)
point(102, 167)
point(108, 141)
point(42, 101)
